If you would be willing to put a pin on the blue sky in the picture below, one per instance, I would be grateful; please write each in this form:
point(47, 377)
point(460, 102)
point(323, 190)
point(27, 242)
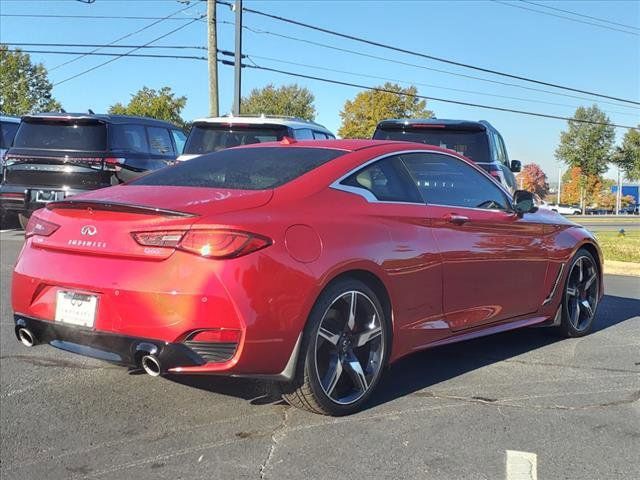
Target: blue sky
point(481, 32)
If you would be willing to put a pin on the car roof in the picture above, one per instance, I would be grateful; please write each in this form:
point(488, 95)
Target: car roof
point(480, 125)
point(116, 119)
point(9, 119)
point(293, 122)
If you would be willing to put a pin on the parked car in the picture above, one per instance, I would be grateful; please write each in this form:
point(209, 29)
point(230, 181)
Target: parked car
point(564, 209)
point(8, 129)
point(55, 155)
point(478, 141)
point(212, 134)
point(311, 263)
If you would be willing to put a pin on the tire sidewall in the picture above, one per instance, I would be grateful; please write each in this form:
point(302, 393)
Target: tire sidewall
point(324, 301)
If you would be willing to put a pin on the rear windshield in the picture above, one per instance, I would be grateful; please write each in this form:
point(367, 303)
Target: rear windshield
point(242, 168)
point(7, 132)
point(206, 138)
point(473, 145)
point(64, 135)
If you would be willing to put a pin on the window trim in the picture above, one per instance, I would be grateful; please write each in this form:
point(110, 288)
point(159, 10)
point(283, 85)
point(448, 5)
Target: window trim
point(369, 197)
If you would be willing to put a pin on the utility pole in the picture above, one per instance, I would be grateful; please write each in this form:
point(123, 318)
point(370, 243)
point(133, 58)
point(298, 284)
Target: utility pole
point(237, 71)
point(212, 33)
point(559, 184)
point(619, 193)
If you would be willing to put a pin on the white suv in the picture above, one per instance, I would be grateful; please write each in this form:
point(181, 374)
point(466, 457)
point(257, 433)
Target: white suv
point(213, 134)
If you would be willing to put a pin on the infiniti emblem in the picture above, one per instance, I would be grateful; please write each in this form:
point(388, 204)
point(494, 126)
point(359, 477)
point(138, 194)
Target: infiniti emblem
point(89, 230)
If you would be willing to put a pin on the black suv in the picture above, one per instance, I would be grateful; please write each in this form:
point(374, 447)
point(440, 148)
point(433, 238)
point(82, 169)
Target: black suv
point(55, 155)
point(478, 141)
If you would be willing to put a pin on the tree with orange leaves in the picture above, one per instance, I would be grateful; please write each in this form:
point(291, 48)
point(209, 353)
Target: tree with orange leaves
point(533, 179)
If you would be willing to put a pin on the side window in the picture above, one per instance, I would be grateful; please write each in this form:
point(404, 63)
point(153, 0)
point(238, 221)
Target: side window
point(446, 180)
point(500, 155)
point(159, 141)
point(387, 180)
point(131, 138)
point(303, 134)
point(179, 138)
point(319, 135)
point(504, 151)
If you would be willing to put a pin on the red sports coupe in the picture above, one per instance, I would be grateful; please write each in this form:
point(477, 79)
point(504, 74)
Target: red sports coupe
point(313, 263)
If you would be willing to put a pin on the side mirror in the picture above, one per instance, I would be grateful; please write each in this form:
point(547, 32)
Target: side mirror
point(524, 202)
point(516, 166)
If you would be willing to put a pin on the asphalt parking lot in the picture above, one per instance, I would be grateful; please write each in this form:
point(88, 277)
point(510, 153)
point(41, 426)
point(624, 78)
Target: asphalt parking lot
point(448, 413)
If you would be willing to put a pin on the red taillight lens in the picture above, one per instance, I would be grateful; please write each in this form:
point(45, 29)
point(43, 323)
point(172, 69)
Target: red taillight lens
point(206, 243)
point(37, 226)
point(159, 239)
point(220, 335)
point(222, 243)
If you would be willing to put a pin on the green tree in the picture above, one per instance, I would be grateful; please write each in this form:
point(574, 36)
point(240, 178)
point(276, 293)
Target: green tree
point(289, 100)
point(147, 102)
point(361, 115)
point(627, 156)
point(588, 146)
point(24, 86)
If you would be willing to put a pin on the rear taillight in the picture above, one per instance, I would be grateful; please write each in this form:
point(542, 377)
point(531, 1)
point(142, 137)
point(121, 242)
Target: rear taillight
point(222, 243)
point(113, 163)
point(206, 243)
point(37, 226)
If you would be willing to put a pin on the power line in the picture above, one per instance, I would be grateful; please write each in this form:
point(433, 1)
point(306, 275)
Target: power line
point(599, 19)
point(364, 75)
point(434, 99)
point(428, 57)
point(124, 36)
point(126, 53)
point(140, 55)
point(104, 45)
point(409, 64)
point(564, 17)
point(97, 17)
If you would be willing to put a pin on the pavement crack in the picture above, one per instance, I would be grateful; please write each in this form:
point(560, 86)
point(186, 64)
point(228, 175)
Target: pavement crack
point(276, 437)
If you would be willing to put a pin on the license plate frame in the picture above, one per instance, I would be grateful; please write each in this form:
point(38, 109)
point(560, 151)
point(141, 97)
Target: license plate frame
point(76, 308)
point(46, 196)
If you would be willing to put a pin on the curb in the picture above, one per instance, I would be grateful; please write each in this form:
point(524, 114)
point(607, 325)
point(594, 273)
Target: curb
point(614, 267)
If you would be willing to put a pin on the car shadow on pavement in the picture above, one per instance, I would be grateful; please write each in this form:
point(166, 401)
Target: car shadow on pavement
point(430, 367)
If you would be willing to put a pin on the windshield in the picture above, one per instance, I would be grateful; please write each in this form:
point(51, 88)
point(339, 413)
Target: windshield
point(7, 132)
point(242, 168)
point(473, 145)
point(206, 138)
point(62, 135)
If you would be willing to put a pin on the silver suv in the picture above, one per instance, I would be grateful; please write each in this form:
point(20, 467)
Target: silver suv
point(217, 133)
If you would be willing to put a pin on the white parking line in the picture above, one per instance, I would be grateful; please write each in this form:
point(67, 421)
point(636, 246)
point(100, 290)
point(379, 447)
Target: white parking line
point(522, 465)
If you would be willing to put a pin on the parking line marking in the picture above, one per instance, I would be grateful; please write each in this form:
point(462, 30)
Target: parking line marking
point(522, 465)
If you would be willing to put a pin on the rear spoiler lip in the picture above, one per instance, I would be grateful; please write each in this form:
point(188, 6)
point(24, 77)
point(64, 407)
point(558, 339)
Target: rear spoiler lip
point(115, 207)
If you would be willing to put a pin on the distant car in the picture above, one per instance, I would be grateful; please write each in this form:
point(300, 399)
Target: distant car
point(217, 133)
point(478, 141)
point(8, 128)
point(55, 155)
point(564, 209)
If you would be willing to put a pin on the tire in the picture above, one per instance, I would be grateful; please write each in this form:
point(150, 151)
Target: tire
point(24, 220)
point(580, 296)
point(335, 354)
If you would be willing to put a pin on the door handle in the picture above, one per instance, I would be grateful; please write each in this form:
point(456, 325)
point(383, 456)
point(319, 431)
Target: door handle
point(456, 219)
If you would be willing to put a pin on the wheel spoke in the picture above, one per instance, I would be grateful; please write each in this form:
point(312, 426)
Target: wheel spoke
point(368, 335)
point(332, 377)
point(575, 319)
point(572, 291)
point(354, 369)
point(580, 268)
point(353, 301)
point(590, 281)
point(328, 335)
point(587, 307)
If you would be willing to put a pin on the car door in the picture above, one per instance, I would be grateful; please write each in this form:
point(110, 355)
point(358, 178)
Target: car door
point(494, 262)
point(411, 261)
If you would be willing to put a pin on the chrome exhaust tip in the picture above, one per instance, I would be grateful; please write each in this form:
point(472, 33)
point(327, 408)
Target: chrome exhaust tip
point(151, 365)
point(26, 337)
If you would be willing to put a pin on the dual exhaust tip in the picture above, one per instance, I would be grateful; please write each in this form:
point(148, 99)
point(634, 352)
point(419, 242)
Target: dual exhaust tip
point(149, 363)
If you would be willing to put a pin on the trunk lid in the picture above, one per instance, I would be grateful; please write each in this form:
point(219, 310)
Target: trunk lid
point(101, 222)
